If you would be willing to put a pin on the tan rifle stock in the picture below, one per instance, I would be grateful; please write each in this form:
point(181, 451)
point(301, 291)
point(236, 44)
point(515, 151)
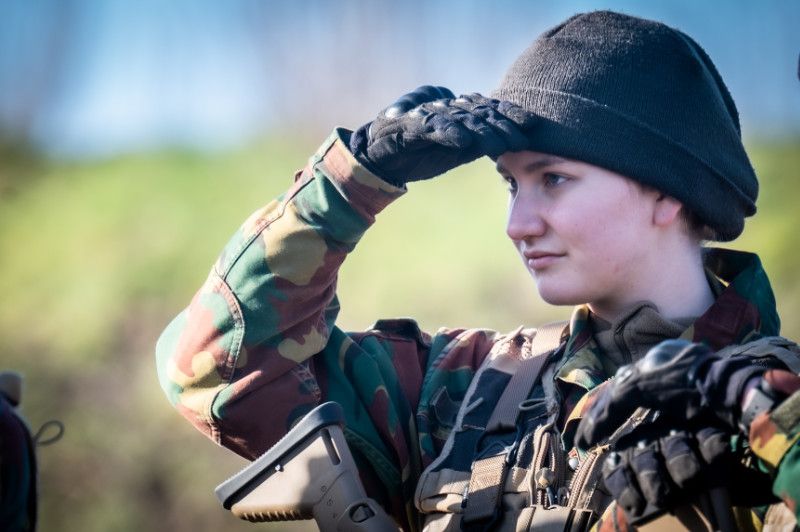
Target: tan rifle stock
point(309, 474)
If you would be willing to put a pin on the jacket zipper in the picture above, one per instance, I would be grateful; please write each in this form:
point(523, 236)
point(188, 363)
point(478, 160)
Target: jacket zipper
point(585, 470)
point(548, 454)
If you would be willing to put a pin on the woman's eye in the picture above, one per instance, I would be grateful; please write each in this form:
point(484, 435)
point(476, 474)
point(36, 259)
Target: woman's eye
point(510, 182)
point(552, 180)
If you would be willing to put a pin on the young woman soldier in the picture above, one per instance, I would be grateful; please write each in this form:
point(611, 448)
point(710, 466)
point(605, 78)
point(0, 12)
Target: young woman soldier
point(621, 148)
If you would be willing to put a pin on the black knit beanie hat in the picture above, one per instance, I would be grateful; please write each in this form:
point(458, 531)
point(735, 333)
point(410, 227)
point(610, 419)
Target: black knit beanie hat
point(641, 99)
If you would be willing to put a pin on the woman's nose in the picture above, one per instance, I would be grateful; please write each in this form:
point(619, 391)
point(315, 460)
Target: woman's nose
point(524, 221)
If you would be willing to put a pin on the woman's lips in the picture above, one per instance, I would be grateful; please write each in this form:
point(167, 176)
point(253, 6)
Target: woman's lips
point(540, 261)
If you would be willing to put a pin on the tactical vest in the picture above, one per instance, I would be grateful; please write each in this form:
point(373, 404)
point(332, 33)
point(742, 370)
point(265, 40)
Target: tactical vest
point(503, 466)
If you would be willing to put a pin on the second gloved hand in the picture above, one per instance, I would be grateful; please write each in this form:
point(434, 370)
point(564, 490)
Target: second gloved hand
point(655, 468)
point(428, 132)
point(682, 380)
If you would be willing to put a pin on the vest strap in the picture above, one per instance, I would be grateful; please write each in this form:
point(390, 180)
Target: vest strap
point(546, 340)
point(489, 473)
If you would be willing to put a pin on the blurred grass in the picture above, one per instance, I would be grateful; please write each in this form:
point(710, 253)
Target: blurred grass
point(95, 258)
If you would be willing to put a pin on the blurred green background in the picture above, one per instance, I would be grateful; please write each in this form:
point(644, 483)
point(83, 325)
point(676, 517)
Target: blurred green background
point(108, 225)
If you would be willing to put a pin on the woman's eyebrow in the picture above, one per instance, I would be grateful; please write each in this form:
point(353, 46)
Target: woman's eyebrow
point(538, 164)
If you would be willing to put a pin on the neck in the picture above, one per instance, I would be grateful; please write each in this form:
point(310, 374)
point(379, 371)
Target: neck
point(674, 280)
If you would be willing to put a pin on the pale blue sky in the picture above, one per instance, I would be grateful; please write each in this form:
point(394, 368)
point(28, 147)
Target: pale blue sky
point(97, 77)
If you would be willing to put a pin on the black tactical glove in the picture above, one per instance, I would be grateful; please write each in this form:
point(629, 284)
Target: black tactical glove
point(681, 380)
point(655, 468)
point(428, 132)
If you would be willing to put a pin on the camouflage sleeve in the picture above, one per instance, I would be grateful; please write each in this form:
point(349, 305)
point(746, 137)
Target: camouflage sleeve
point(236, 361)
point(257, 347)
point(775, 439)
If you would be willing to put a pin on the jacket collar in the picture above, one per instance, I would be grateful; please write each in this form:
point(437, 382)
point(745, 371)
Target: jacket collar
point(744, 310)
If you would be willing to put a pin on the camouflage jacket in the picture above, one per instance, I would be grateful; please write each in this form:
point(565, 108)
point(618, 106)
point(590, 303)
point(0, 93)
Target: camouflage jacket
point(258, 346)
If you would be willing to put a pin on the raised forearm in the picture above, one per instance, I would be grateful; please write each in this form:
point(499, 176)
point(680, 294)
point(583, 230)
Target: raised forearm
point(269, 304)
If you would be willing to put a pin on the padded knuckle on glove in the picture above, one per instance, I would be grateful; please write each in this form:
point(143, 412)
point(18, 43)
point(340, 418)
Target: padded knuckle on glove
point(680, 459)
point(499, 132)
point(621, 483)
point(647, 466)
point(672, 355)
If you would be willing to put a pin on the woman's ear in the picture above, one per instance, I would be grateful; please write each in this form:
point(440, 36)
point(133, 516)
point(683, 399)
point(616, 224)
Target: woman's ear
point(667, 210)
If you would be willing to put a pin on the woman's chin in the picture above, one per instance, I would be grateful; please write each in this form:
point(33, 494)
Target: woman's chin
point(558, 295)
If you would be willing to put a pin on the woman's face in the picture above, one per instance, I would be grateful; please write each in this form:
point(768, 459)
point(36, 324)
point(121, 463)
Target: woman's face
point(584, 232)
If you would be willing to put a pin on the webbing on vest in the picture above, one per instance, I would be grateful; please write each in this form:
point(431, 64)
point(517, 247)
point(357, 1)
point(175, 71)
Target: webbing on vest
point(485, 490)
point(547, 339)
point(489, 473)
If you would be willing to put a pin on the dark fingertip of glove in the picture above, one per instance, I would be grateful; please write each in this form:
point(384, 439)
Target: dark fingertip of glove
point(648, 468)
point(444, 93)
point(714, 445)
point(523, 119)
point(418, 96)
point(515, 139)
point(680, 459)
point(684, 469)
point(487, 139)
point(620, 481)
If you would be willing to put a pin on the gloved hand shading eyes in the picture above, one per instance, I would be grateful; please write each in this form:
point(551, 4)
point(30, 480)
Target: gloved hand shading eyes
point(428, 132)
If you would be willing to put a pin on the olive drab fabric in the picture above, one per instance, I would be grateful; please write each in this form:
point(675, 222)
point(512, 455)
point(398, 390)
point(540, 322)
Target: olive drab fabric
point(258, 347)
